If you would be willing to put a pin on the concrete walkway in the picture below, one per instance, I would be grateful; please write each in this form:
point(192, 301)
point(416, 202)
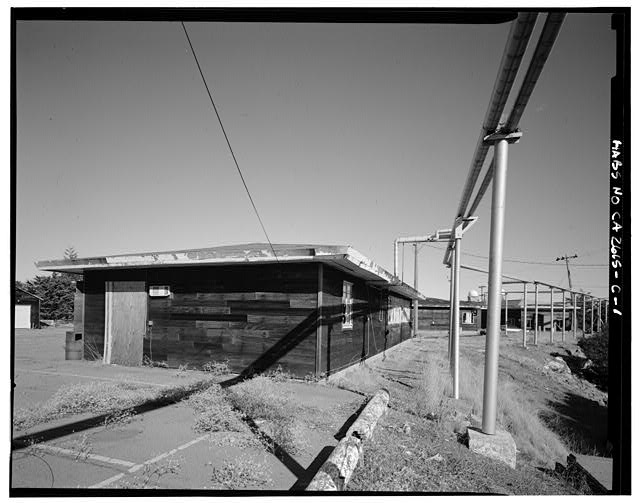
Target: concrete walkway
point(158, 448)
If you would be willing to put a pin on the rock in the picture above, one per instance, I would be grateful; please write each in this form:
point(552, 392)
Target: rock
point(558, 365)
point(587, 364)
point(406, 429)
point(579, 353)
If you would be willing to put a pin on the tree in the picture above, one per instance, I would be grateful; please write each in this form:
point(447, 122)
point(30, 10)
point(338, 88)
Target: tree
point(70, 253)
point(56, 291)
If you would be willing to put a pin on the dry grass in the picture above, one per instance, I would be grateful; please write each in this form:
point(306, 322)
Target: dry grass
point(243, 472)
point(427, 459)
point(431, 399)
point(215, 413)
point(273, 409)
point(100, 397)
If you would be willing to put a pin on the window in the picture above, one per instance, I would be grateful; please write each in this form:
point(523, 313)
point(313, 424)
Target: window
point(347, 304)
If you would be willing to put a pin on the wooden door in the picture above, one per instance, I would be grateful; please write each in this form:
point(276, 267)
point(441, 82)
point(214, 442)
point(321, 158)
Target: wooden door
point(125, 322)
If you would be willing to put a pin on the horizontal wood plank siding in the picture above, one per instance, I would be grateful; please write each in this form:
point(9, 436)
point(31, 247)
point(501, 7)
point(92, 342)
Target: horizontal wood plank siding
point(370, 334)
point(254, 316)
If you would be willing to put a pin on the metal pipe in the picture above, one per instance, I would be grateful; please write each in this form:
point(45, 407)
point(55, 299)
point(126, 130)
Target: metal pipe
point(456, 318)
point(606, 312)
point(524, 318)
point(552, 317)
point(599, 316)
point(535, 322)
point(517, 41)
point(543, 48)
point(591, 332)
point(492, 344)
point(415, 286)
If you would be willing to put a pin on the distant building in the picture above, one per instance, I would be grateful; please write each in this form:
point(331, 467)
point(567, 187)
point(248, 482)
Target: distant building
point(27, 309)
point(433, 314)
point(311, 309)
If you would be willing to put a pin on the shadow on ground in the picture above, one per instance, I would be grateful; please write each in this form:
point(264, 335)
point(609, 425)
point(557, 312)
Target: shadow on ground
point(581, 420)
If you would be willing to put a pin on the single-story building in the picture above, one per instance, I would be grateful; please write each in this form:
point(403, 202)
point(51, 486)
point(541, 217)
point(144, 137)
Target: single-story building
point(433, 314)
point(311, 309)
point(27, 309)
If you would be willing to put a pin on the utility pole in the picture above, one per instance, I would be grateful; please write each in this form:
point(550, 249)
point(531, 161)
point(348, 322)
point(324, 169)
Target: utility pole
point(566, 260)
point(573, 297)
point(482, 287)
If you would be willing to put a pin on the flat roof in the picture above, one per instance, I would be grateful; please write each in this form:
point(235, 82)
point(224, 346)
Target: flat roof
point(342, 257)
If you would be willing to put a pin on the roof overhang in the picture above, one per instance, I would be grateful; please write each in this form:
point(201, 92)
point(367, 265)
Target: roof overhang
point(344, 258)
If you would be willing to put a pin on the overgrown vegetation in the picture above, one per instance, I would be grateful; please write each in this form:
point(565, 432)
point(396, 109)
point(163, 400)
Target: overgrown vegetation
point(516, 413)
point(596, 349)
point(427, 459)
point(114, 398)
point(241, 473)
point(214, 412)
point(217, 368)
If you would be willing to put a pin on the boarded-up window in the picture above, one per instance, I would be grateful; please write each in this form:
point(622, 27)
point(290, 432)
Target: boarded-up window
point(347, 304)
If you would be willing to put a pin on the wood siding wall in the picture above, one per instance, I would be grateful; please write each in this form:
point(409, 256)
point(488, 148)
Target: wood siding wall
point(255, 316)
point(370, 333)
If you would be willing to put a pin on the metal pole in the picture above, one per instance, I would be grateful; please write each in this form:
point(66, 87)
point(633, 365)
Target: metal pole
point(584, 314)
point(564, 313)
point(456, 317)
point(450, 317)
point(599, 316)
point(551, 327)
point(606, 312)
point(535, 321)
point(574, 320)
point(524, 318)
point(492, 345)
point(415, 285)
point(591, 331)
point(506, 312)
point(395, 257)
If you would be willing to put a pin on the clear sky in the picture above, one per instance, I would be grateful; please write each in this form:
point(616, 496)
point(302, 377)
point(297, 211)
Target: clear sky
point(346, 134)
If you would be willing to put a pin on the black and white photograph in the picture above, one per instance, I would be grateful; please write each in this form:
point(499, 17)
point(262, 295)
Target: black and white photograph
point(359, 250)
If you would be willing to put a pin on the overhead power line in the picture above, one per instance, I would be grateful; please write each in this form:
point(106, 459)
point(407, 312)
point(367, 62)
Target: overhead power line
point(215, 109)
point(516, 261)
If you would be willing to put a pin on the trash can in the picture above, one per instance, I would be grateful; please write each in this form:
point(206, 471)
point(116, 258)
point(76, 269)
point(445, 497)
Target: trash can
point(74, 346)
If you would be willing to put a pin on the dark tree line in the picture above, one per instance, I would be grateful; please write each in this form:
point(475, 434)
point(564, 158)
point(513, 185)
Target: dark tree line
point(56, 291)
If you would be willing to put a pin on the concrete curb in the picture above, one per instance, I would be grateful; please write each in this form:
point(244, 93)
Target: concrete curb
point(335, 473)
